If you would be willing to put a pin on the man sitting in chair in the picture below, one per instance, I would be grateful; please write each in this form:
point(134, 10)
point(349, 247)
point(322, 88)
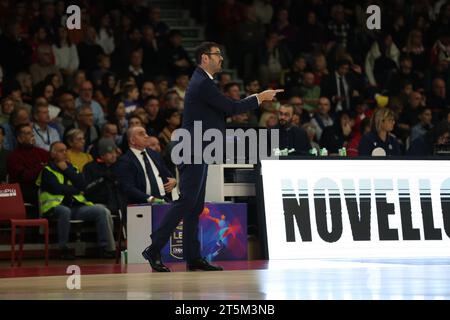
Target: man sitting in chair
point(61, 198)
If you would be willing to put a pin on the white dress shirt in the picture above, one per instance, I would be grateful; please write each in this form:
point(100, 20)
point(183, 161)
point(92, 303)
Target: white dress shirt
point(155, 170)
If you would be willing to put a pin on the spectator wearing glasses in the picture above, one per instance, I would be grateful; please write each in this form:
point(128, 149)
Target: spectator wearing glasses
point(44, 134)
point(85, 98)
point(85, 122)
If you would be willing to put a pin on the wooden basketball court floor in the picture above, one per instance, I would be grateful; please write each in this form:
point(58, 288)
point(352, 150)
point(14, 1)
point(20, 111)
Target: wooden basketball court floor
point(380, 279)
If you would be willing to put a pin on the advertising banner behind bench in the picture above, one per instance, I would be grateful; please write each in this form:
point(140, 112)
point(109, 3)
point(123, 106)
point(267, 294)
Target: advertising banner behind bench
point(222, 232)
point(356, 208)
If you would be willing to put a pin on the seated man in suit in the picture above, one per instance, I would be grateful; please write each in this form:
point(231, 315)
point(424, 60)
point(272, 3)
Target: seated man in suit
point(141, 172)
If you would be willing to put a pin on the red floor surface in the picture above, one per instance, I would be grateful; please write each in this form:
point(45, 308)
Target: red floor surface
point(111, 268)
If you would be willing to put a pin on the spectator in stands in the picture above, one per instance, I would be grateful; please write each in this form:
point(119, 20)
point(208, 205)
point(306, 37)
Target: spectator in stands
point(425, 123)
point(173, 120)
point(322, 118)
point(25, 163)
point(85, 98)
point(273, 58)
point(130, 98)
point(135, 68)
point(251, 86)
point(430, 143)
point(380, 135)
point(249, 35)
point(142, 174)
point(382, 57)
point(89, 50)
point(43, 133)
point(312, 34)
point(85, 122)
point(44, 65)
point(288, 32)
point(44, 95)
point(320, 68)
point(232, 91)
point(405, 73)
point(181, 84)
point(223, 78)
point(173, 101)
point(340, 29)
point(19, 116)
point(309, 92)
point(15, 52)
point(3, 156)
point(105, 34)
point(148, 89)
point(437, 100)
point(155, 118)
point(78, 78)
point(353, 145)
point(298, 104)
point(159, 27)
point(103, 68)
point(61, 198)
point(338, 87)
point(173, 57)
point(293, 79)
point(26, 86)
point(117, 115)
point(415, 49)
point(291, 137)
point(66, 118)
point(310, 130)
point(150, 49)
point(102, 183)
point(66, 54)
point(7, 107)
point(75, 153)
point(263, 11)
point(109, 131)
point(133, 121)
point(338, 135)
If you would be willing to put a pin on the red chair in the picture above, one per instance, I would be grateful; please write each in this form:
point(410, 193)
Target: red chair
point(12, 209)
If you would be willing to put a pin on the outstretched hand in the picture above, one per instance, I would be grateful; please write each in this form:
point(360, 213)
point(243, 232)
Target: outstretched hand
point(268, 94)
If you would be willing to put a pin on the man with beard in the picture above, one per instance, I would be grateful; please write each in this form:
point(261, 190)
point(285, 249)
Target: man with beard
point(291, 136)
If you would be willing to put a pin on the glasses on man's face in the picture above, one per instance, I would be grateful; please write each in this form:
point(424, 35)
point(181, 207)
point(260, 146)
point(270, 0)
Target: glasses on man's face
point(219, 54)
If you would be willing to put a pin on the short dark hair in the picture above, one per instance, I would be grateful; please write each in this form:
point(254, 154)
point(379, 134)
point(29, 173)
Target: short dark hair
point(204, 48)
point(2, 130)
point(18, 129)
point(229, 85)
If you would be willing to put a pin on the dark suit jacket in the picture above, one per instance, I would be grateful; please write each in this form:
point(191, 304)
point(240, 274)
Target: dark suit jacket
point(204, 102)
point(131, 175)
point(329, 88)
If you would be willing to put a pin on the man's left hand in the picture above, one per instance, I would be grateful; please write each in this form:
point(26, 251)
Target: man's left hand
point(169, 185)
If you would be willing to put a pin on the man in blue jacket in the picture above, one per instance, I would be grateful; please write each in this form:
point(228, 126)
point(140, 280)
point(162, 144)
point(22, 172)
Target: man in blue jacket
point(203, 102)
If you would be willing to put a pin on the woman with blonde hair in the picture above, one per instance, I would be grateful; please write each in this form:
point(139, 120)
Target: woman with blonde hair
point(380, 141)
point(75, 141)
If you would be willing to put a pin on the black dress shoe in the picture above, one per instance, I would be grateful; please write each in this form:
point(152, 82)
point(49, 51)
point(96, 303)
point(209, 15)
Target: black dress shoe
point(203, 265)
point(154, 258)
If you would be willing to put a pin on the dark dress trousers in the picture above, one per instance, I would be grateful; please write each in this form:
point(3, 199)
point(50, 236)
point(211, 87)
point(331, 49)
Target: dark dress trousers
point(203, 102)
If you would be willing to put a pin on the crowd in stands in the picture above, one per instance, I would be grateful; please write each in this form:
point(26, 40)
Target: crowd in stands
point(345, 85)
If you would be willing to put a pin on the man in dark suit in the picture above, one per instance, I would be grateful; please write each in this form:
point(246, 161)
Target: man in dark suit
point(141, 172)
point(205, 103)
point(338, 87)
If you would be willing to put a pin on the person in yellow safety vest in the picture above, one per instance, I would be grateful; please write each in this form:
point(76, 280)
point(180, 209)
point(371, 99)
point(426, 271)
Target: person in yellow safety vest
point(61, 198)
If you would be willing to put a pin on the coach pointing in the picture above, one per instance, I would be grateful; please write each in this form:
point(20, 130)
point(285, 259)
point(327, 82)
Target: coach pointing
point(203, 102)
